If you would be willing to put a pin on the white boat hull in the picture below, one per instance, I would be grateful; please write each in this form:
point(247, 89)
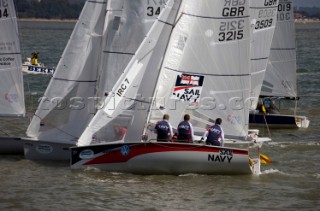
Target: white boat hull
point(162, 158)
point(45, 150)
point(11, 145)
point(32, 69)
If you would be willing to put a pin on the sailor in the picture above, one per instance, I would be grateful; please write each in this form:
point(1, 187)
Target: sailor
point(163, 129)
point(214, 134)
point(34, 58)
point(119, 132)
point(185, 130)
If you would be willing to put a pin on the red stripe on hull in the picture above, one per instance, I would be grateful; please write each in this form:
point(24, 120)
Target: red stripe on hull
point(115, 156)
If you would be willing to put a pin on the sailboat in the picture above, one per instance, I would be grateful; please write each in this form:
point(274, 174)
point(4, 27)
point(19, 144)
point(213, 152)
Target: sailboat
point(280, 82)
point(195, 60)
point(102, 43)
point(12, 102)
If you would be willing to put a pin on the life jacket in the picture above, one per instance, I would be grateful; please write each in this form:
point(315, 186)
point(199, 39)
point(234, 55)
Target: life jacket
point(184, 131)
point(214, 133)
point(163, 130)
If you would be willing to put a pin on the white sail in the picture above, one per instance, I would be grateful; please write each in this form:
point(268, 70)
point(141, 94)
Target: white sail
point(206, 72)
point(123, 24)
point(65, 109)
point(280, 79)
point(263, 19)
point(128, 23)
point(11, 78)
point(118, 104)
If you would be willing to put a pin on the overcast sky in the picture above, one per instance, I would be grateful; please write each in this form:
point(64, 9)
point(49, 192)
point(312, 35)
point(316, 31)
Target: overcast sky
point(307, 3)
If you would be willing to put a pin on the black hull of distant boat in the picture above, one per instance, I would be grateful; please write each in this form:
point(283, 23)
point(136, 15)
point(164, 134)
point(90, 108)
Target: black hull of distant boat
point(11, 146)
point(278, 120)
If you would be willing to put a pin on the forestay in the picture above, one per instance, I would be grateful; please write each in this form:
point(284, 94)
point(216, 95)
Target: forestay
point(142, 70)
point(206, 71)
point(280, 79)
point(11, 79)
point(67, 104)
point(263, 21)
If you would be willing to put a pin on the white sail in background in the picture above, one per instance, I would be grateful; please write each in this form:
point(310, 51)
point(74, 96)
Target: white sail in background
point(280, 79)
point(65, 109)
point(129, 21)
point(263, 19)
point(144, 66)
point(123, 25)
point(11, 79)
point(206, 71)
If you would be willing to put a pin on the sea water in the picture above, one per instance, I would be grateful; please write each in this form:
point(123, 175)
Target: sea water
point(291, 182)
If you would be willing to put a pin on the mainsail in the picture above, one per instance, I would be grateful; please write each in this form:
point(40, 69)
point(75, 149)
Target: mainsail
point(280, 79)
point(206, 71)
point(11, 79)
point(263, 19)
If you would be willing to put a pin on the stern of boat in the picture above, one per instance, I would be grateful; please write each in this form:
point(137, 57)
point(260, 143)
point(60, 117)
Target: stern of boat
point(302, 121)
point(255, 165)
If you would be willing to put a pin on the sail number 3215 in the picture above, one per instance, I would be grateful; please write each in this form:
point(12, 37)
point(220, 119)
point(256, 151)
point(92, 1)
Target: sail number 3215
point(231, 30)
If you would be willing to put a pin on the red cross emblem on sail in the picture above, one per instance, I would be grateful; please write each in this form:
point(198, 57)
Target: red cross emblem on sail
point(190, 80)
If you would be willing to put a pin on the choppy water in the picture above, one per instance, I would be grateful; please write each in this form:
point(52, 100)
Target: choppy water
point(291, 182)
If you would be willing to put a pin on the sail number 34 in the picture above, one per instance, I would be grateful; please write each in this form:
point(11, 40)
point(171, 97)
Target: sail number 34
point(3, 9)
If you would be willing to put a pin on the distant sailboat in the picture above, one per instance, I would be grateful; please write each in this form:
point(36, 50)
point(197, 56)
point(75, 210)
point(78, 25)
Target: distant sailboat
point(102, 43)
point(12, 102)
point(190, 60)
point(280, 82)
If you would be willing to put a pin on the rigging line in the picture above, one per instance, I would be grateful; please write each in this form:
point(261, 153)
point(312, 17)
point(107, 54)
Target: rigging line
point(56, 128)
point(207, 74)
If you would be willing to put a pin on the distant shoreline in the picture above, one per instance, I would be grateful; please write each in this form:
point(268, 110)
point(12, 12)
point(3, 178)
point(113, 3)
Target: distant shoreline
point(46, 20)
point(307, 21)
